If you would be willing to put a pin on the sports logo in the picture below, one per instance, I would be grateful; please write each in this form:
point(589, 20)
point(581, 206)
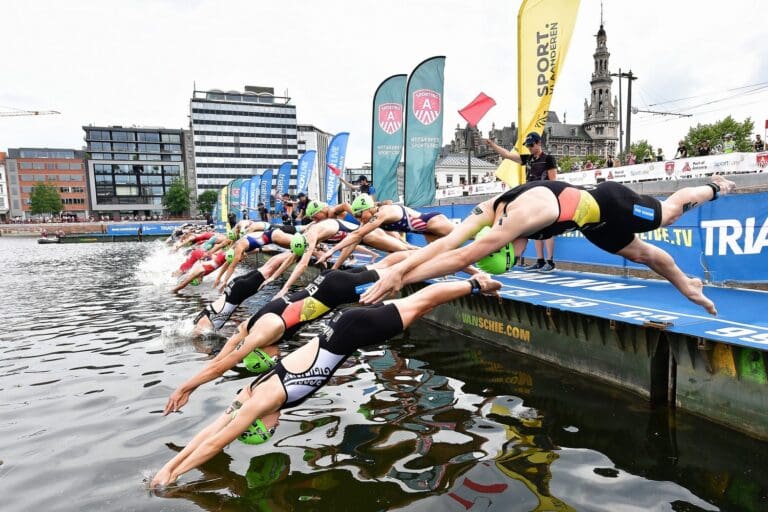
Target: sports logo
point(669, 168)
point(426, 106)
point(390, 117)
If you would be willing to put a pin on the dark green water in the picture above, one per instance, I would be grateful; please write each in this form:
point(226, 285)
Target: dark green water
point(93, 343)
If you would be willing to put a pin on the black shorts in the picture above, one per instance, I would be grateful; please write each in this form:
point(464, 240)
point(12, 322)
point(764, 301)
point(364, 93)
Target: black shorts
point(623, 213)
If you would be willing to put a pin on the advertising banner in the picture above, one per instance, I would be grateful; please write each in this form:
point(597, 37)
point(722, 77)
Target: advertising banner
point(283, 182)
point(423, 130)
point(245, 190)
point(253, 198)
point(265, 191)
point(234, 197)
point(387, 141)
point(304, 171)
point(334, 166)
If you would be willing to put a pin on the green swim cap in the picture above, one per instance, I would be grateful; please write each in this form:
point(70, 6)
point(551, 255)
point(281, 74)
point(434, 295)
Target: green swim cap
point(257, 433)
point(361, 203)
point(258, 361)
point(231, 235)
point(196, 281)
point(298, 244)
point(497, 262)
point(229, 255)
point(314, 207)
point(266, 469)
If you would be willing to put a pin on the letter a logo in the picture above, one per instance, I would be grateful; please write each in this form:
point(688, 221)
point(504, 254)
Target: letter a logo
point(426, 106)
point(390, 117)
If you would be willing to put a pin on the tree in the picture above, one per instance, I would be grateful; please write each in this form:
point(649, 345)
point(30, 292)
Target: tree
point(45, 199)
point(176, 199)
point(641, 149)
point(207, 200)
point(715, 132)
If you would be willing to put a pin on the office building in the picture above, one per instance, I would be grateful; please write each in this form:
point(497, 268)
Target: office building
point(240, 134)
point(309, 138)
point(131, 168)
point(63, 169)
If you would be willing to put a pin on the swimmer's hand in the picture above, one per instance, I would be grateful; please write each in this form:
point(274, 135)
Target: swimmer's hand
point(177, 400)
point(322, 259)
point(389, 282)
point(161, 479)
point(281, 293)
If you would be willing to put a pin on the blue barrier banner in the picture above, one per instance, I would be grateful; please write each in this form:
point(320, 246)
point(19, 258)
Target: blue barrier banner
point(723, 240)
point(304, 171)
point(147, 229)
point(253, 198)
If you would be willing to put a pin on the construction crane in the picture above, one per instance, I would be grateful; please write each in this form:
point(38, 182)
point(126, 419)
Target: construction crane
point(29, 113)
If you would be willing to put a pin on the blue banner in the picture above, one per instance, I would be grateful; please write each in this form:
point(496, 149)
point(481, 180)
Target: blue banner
point(334, 166)
point(283, 184)
point(387, 141)
point(245, 191)
point(304, 172)
point(146, 229)
point(265, 191)
point(723, 240)
point(253, 198)
point(423, 131)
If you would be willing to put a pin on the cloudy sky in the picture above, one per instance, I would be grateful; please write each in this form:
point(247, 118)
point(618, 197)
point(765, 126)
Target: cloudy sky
point(135, 61)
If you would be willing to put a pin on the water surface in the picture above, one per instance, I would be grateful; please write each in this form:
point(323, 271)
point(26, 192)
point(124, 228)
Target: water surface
point(93, 343)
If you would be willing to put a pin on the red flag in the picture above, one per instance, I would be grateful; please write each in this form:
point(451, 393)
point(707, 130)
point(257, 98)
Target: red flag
point(477, 108)
point(766, 124)
point(335, 170)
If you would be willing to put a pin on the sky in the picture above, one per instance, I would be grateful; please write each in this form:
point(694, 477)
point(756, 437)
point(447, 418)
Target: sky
point(135, 62)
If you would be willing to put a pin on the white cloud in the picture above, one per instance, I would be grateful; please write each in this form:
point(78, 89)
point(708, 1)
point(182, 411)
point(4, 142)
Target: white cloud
point(135, 62)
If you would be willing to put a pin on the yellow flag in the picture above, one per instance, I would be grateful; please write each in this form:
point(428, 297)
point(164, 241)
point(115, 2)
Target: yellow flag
point(509, 172)
point(544, 29)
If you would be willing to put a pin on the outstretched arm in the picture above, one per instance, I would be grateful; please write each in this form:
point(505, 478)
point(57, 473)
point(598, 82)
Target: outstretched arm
point(503, 153)
point(195, 272)
point(425, 300)
point(285, 264)
point(391, 278)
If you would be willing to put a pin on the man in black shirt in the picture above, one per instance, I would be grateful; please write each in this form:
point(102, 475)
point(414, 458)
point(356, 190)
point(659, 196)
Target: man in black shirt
point(538, 166)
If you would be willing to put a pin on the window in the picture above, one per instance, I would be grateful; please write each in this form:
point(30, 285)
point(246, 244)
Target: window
point(449, 179)
point(148, 137)
point(75, 167)
point(98, 156)
point(170, 137)
point(124, 136)
point(52, 177)
point(62, 166)
point(26, 177)
point(149, 148)
point(124, 146)
point(171, 158)
point(172, 148)
point(38, 165)
point(25, 165)
point(102, 179)
point(171, 170)
point(98, 135)
point(146, 156)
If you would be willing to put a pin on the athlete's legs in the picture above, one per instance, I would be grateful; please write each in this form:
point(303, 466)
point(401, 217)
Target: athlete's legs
point(379, 240)
point(439, 225)
point(267, 330)
point(664, 265)
point(689, 197)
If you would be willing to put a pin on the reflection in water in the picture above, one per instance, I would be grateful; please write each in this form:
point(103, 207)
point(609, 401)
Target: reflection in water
point(93, 343)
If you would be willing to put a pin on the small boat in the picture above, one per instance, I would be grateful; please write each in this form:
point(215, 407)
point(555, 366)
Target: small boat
point(45, 240)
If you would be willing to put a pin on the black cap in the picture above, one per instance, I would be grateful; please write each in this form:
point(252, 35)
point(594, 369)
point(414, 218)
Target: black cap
point(361, 178)
point(302, 194)
point(532, 139)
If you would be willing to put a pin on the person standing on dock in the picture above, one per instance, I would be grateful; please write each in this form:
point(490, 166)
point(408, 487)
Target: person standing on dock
point(538, 166)
point(609, 215)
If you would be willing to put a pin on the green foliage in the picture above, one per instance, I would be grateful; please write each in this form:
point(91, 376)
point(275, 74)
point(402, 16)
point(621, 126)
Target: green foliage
point(641, 150)
point(715, 132)
point(565, 163)
point(176, 199)
point(207, 200)
point(45, 199)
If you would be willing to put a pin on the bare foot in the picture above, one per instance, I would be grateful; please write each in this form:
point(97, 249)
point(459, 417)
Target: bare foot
point(696, 295)
point(726, 186)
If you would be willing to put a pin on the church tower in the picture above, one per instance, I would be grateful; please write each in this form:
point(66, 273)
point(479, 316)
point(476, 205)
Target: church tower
point(601, 112)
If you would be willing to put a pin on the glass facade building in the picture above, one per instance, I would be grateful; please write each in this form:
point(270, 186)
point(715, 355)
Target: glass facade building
point(240, 134)
point(130, 169)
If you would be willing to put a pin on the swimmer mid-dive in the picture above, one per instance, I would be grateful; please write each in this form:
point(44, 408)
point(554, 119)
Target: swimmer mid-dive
point(389, 217)
point(280, 319)
point(609, 215)
point(216, 314)
point(200, 269)
point(254, 414)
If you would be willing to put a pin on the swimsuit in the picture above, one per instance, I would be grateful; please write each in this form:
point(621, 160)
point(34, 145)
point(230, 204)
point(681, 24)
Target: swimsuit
point(347, 331)
point(410, 224)
point(608, 214)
